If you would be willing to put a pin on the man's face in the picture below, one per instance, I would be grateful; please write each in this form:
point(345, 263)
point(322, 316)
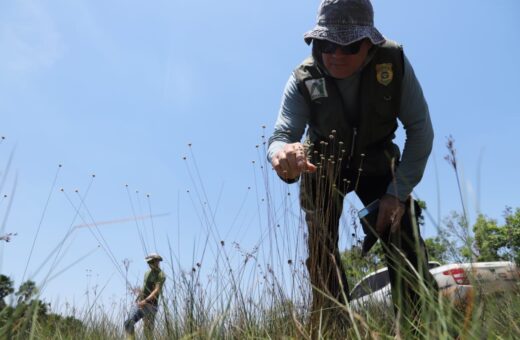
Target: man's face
point(342, 65)
point(154, 264)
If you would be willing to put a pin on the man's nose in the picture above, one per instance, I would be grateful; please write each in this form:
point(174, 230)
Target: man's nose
point(338, 53)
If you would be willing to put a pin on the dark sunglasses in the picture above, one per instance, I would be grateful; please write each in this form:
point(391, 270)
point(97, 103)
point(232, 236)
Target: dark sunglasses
point(328, 47)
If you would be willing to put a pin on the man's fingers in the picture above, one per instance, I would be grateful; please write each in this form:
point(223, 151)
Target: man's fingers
point(301, 160)
point(310, 167)
point(394, 227)
point(292, 161)
point(380, 223)
point(283, 168)
point(396, 220)
point(276, 163)
point(391, 212)
point(394, 223)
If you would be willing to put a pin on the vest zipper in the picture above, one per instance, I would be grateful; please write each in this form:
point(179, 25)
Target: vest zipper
point(352, 145)
point(354, 135)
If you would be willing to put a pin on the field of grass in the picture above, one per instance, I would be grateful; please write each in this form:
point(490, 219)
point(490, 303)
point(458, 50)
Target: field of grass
point(238, 293)
point(225, 308)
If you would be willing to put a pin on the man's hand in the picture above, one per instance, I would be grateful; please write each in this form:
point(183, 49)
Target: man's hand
point(142, 303)
point(391, 211)
point(291, 161)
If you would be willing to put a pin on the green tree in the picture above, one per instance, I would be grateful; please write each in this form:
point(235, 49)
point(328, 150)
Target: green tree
point(437, 249)
point(460, 239)
point(6, 289)
point(489, 239)
point(26, 291)
point(495, 242)
point(31, 315)
point(512, 232)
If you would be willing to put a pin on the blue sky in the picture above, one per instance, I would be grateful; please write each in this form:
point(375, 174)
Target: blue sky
point(120, 88)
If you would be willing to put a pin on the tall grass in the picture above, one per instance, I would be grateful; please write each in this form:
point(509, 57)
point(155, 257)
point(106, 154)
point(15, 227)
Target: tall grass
point(188, 312)
point(260, 291)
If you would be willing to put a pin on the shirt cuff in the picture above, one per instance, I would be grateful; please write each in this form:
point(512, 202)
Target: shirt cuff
point(290, 181)
point(398, 192)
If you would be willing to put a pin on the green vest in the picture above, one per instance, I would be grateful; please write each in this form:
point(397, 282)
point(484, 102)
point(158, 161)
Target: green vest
point(365, 142)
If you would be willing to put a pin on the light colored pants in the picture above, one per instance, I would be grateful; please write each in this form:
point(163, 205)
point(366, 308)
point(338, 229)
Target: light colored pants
point(136, 313)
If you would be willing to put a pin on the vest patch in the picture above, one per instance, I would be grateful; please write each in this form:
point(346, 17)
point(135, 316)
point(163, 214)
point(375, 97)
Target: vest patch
point(316, 88)
point(384, 74)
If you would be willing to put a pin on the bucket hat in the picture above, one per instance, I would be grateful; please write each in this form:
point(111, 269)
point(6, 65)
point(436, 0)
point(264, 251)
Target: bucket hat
point(153, 256)
point(345, 22)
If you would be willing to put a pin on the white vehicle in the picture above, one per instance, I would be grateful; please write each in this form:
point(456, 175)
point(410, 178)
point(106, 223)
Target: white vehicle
point(458, 281)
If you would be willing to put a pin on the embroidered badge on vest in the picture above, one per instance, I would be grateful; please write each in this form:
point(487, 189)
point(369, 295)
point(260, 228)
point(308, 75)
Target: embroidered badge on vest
point(384, 74)
point(316, 88)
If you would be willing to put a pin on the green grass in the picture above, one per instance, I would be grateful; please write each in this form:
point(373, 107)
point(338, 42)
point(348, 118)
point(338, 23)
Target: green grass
point(189, 312)
point(261, 294)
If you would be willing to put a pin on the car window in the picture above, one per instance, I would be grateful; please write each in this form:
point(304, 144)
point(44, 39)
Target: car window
point(433, 264)
point(370, 284)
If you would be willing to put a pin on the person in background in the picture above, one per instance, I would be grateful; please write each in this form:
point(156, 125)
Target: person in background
point(147, 302)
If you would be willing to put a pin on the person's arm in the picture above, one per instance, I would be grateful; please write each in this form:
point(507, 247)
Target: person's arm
point(285, 152)
point(415, 117)
point(154, 294)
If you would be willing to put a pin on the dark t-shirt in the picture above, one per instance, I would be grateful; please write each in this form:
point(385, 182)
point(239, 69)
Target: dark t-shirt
point(151, 278)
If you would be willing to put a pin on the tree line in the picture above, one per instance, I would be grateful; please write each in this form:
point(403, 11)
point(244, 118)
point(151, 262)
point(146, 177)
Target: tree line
point(25, 313)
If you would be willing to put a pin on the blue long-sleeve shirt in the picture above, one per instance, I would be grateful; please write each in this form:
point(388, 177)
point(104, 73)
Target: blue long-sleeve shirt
point(294, 115)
